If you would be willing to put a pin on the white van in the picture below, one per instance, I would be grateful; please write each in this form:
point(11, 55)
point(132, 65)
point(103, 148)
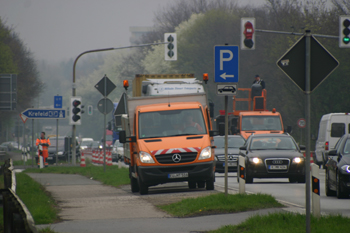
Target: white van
point(332, 127)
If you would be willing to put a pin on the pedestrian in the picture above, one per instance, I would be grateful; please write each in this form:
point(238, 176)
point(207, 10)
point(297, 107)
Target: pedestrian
point(43, 147)
point(259, 81)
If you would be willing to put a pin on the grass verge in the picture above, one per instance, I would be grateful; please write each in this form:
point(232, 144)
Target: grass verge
point(113, 175)
point(288, 223)
point(220, 204)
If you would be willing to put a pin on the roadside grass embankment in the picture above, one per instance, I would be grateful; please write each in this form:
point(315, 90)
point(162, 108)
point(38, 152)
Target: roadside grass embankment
point(30, 192)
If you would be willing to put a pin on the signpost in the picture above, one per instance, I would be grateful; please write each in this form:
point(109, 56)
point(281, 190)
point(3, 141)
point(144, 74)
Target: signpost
point(226, 72)
point(44, 113)
point(105, 86)
point(307, 64)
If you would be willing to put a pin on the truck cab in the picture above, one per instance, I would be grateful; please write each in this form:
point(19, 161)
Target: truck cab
point(170, 141)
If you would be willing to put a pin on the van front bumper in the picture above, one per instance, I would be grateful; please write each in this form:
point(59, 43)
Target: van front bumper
point(165, 174)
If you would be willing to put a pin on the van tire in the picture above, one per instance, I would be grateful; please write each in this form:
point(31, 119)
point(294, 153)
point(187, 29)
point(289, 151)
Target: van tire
point(133, 181)
point(192, 184)
point(200, 184)
point(143, 188)
point(210, 184)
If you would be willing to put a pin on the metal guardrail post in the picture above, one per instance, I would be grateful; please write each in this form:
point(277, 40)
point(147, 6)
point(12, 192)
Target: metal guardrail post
point(17, 217)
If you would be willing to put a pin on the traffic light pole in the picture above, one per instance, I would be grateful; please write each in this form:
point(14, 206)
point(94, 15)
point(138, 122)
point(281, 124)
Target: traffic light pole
point(296, 33)
point(74, 85)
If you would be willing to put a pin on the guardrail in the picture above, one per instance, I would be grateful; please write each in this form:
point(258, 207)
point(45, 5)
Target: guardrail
point(17, 217)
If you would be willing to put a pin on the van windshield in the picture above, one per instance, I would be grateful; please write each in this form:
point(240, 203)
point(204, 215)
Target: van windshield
point(171, 123)
point(261, 123)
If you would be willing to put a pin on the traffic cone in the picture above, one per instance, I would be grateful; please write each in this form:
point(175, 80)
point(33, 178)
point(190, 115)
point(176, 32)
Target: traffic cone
point(101, 157)
point(82, 160)
point(93, 156)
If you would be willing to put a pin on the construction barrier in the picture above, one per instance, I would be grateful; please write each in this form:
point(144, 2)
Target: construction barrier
point(311, 156)
point(82, 160)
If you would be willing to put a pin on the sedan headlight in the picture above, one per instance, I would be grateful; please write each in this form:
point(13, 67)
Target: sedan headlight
point(205, 153)
point(346, 168)
point(298, 160)
point(255, 160)
point(145, 157)
point(60, 153)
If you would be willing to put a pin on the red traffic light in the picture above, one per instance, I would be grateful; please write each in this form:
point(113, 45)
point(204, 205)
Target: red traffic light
point(248, 32)
point(76, 103)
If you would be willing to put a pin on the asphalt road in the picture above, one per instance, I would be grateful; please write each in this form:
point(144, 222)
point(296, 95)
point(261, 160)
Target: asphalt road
point(88, 206)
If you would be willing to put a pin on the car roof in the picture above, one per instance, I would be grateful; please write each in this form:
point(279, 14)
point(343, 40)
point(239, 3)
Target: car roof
point(270, 135)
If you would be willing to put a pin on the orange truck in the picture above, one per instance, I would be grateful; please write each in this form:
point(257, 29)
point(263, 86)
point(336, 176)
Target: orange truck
point(170, 140)
point(255, 118)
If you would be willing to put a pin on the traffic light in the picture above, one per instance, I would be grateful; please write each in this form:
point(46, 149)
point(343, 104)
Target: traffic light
point(90, 110)
point(75, 119)
point(170, 47)
point(344, 31)
point(247, 33)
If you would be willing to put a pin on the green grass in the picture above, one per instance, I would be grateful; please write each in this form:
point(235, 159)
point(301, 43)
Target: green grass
point(220, 204)
point(113, 175)
point(288, 223)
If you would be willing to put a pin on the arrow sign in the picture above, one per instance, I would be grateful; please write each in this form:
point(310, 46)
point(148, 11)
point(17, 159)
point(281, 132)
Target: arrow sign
point(44, 113)
point(226, 64)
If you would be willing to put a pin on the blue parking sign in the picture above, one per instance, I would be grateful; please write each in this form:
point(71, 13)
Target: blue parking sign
point(226, 64)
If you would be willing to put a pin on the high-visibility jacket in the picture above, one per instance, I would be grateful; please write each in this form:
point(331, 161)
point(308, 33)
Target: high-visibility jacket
point(45, 143)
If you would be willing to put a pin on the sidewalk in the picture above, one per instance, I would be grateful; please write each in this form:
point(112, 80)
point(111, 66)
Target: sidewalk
point(88, 206)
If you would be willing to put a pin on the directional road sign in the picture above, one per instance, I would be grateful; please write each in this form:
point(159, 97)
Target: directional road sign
point(58, 102)
point(226, 64)
point(322, 64)
point(44, 113)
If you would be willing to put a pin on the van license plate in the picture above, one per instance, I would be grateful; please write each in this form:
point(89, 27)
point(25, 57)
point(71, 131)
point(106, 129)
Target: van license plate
point(230, 164)
point(177, 175)
point(278, 167)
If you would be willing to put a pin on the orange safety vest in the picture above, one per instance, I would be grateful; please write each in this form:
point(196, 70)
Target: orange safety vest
point(45, 151)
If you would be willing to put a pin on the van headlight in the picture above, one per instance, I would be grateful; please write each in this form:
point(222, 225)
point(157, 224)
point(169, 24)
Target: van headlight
point(60, 153)
point(205, 153)
point(145, 157)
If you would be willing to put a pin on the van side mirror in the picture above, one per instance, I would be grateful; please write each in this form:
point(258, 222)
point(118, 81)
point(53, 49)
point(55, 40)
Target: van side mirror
point(124, 139)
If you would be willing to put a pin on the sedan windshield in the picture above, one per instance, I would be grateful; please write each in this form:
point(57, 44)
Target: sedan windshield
point(171, 123)
point(272, 143)
point(232, 142)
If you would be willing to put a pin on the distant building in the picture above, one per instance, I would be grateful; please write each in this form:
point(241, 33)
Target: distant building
point(137, 33)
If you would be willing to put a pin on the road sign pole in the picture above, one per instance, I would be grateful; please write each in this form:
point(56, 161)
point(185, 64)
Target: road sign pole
point(226, 133)
point(307, 114)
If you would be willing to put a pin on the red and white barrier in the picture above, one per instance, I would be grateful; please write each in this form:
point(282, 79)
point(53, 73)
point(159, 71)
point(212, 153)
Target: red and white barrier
point(82, 160)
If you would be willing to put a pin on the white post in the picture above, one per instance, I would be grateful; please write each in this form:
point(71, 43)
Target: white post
point(41, 161)
point(315, 181)
point(241, 163)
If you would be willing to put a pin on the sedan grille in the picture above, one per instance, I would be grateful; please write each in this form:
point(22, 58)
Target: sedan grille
point(277, 165)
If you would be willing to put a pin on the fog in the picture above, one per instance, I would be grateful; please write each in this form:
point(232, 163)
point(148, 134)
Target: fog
point(55, 30)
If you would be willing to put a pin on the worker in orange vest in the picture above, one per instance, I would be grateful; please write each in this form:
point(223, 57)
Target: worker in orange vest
point(43, 145)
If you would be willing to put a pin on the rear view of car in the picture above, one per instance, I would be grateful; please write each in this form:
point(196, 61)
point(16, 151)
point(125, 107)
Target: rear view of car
point(233, 144)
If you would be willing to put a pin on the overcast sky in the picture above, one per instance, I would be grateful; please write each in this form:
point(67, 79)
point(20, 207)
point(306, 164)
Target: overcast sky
point(57, 30)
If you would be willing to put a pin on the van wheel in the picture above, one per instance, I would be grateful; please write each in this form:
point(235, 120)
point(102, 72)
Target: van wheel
point(192, 184)
point(133, 181)
point(201, 184)
point(143, 189)
point(210, 184)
